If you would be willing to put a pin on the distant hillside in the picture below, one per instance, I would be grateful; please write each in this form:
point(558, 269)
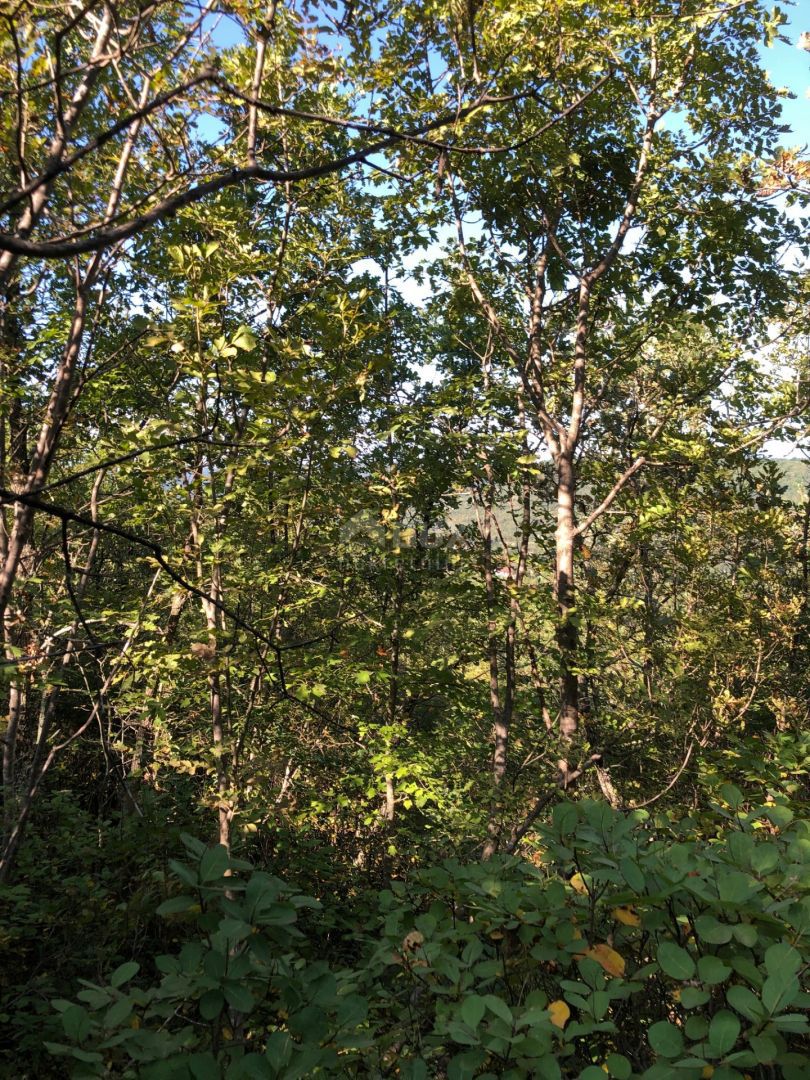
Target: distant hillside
point(796, 475)
point(795, 472)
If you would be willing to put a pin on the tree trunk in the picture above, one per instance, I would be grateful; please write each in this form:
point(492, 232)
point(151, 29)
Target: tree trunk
point(500, 721)
point(567, 636)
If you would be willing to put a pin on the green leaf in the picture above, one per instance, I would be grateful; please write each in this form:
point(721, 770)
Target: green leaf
point(211, 1004)
point(692, 997)
point(463, 1066)
point(239, 997)
point(91, 1057)
point(235, 929)
point(779, 990)
point(547, 1068)
point(176, 904)
point(709, 929)
point(76, 1023)
point(564, 818)
point(118, 1013)
point(186, 874)
point(782, 958)
point(764, 1048)
point(732, 795)
point(214, 863)
point(499, 1007)
point(745, 1002)
point(764, 859)
point(461, 1034)
point(712, 970)
point(675, 961)
point(665, 1039)
point(791, 1022)
point(734, 887)
point(633, 875)
point(746, 934)
point(779, 815)
point(472, 1010)
point(619, 1067)
point(203, 1067)
point(724, 1030)
point(244, 339)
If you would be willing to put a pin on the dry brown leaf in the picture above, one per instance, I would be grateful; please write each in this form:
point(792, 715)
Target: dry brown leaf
point(412, 940)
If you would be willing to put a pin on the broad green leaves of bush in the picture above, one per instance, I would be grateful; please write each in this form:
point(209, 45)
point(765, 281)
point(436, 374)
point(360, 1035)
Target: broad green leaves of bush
point(625, 947)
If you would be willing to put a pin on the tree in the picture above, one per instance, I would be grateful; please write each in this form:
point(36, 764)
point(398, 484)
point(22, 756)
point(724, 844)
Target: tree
point(603, 231)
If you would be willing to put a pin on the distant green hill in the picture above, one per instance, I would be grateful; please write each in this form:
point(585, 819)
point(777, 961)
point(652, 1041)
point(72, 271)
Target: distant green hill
point(795, 473)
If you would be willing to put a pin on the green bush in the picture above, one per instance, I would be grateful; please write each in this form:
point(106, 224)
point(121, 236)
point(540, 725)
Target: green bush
point(626, 946)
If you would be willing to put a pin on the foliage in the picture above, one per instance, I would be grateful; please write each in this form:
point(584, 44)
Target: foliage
point(387, 522)
point(631, 942)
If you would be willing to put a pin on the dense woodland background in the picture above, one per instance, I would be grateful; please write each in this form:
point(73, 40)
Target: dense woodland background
point(405, 618)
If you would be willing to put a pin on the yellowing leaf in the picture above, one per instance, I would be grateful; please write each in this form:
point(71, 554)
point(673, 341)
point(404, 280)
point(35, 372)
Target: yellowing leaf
point(559, 1013)
point(577, 883)
point(607, 958)
point(707, 1073)
point(626, 916)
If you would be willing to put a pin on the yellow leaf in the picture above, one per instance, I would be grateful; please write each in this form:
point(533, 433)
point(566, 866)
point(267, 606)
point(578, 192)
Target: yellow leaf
point(607, 958)
point(708, 1072)
point(577, 883)
point(627, 916)
point(559, 1013)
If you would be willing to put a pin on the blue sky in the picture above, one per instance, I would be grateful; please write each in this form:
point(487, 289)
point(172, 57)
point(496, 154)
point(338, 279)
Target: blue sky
point(789, 66)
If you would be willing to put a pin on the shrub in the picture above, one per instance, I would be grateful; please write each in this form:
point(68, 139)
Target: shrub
point(626, 946)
